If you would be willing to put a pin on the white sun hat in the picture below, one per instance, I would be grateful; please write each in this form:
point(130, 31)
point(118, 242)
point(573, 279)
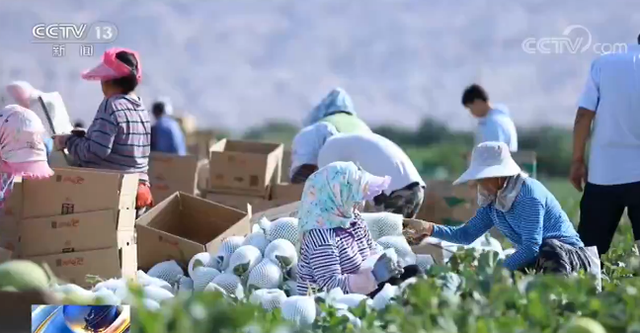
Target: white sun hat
point(489, 160)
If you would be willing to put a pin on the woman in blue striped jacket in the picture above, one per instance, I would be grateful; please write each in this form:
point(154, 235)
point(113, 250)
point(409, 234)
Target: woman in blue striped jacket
point(524, 211)
point(335, 239)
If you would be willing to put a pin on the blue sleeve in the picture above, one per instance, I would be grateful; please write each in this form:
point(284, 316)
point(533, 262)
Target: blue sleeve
point(530, 214)
point(154, 138)
point(178, 143)
point(48, 143)
point(469, 232)
point(590, 97)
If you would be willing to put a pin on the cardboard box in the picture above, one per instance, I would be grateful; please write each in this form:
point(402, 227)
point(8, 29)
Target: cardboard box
point(202, 176)
point(286, 165)
point(434, 250)
point(527, 160)
point(184, 225)
point(12, 210)
point(114, 262)
point(286, 191)
point(78, 190)
point(243, 167)
point(447, 204)
point(170, 173)
point(10, 240)
point(74, 232)
point(288, 210)
point(240, 202)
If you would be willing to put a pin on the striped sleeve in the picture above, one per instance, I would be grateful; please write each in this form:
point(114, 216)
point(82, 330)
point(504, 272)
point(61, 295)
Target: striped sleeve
point(530, 213)
point(325, 262)
point(469, 232)
point(98, 142)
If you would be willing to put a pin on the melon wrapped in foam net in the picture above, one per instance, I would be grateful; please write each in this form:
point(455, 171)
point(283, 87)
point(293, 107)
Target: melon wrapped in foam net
point(383, 224)
point(227, 248)
point(282, 228)
point(266, 275)
point(244, 260)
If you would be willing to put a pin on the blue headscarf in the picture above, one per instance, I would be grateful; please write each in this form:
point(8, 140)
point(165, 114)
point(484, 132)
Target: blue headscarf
point(337, 100)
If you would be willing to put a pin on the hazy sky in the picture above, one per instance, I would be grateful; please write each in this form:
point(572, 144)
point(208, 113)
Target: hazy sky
point(239, 63)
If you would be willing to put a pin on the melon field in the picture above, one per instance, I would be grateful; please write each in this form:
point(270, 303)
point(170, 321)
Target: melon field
point(471, 293)
point(485, 299)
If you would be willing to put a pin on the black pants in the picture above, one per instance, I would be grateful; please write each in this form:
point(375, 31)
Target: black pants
point(409, 272)
point(601, 209)
point(405, 201)
point(557, 257)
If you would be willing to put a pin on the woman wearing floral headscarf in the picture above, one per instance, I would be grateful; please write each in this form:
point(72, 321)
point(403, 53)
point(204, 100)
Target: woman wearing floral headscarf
point(335, 239)
point(22, 150)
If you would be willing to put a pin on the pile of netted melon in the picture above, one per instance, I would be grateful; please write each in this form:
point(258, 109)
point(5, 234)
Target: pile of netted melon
point(259, 268)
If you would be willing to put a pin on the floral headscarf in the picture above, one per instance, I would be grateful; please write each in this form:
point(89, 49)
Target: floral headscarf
point(333, 194)
point(337, 100)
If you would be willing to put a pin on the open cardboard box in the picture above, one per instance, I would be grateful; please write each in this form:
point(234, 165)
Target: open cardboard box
point(78, 190)
point(169, 173)
point(184, 225)
point(288, 210)
point(244, 167)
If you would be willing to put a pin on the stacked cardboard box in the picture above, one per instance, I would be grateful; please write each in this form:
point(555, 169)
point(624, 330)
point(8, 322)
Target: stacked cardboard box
point(242, 174)
point(169, 173)
point(9, 222)
point(184, 225)
point(447, 204)
point(80, 222)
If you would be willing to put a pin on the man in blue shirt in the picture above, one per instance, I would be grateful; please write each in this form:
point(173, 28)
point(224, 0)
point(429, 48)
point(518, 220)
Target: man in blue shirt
point(608, 118)
point(494, 121)
point(166, 134)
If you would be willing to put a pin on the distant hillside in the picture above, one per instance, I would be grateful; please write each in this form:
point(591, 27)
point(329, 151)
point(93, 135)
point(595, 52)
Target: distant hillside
point(239, 63)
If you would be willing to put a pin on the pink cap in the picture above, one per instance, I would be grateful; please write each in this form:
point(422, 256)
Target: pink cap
point(22, 149)
point(111, 68)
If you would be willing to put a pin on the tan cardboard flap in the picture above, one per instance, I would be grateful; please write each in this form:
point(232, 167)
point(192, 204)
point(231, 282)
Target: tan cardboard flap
point(288, 210)
point(244, 165)
point(184, 225)
point(235, 201)
point(75, 266)
point(170, 173)
point(431, 249)
point(286, 165)
point(79, 190)
point(69, 233)
point(285, 191)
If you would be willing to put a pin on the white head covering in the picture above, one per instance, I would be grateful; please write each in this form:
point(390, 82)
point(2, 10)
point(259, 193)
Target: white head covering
point(17, 91)
point(489, 160)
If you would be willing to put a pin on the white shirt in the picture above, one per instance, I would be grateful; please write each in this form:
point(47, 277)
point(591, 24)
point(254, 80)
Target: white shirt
point(613, 92)
point(498, 126)
point(307, 143)
point(375, 154)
